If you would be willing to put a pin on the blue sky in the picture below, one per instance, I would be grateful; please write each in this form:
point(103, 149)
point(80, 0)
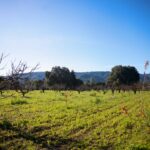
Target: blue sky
point(83, 35)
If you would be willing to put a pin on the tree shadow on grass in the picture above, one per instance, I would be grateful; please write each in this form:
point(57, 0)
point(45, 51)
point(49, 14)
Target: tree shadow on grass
point(42, 142)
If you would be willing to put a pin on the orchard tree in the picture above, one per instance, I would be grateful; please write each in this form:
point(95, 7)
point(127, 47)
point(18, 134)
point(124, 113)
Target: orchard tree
point(4, 84)
point(20, 77)
point(123, 75)
point(3, 79)
point(39, 85)
point(145, 68)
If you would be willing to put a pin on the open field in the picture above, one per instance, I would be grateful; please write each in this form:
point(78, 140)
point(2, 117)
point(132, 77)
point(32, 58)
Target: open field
point(72, 120)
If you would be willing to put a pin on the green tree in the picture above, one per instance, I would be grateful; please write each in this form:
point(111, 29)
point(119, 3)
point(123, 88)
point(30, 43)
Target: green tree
point(126, 75)
point(62, 76)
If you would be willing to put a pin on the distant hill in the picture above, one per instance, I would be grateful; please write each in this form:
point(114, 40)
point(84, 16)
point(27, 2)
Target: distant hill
point(97, 76)
point(38, 75)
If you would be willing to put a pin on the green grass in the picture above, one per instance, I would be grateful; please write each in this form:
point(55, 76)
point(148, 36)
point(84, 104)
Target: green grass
point(69, 120)
point(18, 102)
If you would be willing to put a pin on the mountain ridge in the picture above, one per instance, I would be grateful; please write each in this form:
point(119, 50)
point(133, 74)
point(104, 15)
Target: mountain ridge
point(96, 76)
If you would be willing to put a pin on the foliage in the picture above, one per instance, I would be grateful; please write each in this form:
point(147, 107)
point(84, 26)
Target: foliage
point(62, 76)
point(125, 75)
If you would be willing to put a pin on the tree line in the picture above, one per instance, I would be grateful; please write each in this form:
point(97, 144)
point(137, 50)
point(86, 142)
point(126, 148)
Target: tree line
point(19, 79)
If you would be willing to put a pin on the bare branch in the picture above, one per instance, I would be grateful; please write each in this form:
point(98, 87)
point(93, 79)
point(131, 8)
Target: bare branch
point(2, 57)
point(34, 68)
point(146, 65)
point(20, 79)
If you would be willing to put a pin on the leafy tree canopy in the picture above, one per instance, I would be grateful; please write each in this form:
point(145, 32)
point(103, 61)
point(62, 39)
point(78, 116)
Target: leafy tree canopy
point(62, 76)
point(123, 75)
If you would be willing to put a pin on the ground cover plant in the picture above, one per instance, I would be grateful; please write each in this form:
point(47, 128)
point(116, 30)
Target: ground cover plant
point(75, 120)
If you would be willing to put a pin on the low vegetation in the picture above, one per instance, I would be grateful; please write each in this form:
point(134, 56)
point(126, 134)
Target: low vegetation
point(75, 120)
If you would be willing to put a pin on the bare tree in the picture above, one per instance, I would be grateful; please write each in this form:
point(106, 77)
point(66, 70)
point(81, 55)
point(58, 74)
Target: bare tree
point(3, 81)
point(20, 77)
point(1, 60)
point(145, 67)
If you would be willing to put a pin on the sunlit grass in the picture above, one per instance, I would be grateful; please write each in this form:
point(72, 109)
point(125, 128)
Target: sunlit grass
point(69, 120)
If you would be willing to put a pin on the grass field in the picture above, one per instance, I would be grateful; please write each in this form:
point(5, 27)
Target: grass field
point(72, 120)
